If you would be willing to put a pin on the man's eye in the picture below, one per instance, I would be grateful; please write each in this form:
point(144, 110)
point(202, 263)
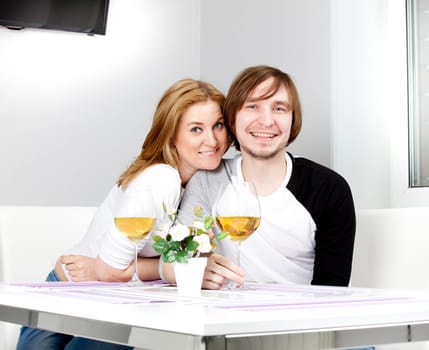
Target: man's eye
point(283, 109)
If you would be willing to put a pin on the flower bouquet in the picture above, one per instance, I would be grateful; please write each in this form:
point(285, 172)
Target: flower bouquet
point(177, 242)
point(182, 245)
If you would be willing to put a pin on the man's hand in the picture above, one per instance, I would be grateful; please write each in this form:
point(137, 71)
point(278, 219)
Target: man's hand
point(221, 270)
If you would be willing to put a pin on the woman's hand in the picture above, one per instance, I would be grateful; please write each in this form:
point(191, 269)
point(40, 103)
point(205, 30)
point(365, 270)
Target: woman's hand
point(83, 268)
point(221, 270)
point(80, 267)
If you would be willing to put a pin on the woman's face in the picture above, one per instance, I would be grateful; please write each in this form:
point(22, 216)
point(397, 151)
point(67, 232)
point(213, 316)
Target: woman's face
point(201, 138)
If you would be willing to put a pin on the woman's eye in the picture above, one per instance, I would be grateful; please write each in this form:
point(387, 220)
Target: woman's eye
point(219, 125)
point(196, 129)
point(251, 106)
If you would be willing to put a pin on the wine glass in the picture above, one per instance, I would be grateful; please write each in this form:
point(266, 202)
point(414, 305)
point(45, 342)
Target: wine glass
point(237, 211)
point(135, 217)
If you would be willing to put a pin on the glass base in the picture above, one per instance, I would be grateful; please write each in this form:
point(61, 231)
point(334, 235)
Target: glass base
point(231, 285)
point(133, 283)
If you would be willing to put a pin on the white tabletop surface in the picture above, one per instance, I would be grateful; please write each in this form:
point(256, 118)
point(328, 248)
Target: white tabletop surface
point(258, 309)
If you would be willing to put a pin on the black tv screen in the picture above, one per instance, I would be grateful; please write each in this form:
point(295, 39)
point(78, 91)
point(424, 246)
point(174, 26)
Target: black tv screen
point(85, 16)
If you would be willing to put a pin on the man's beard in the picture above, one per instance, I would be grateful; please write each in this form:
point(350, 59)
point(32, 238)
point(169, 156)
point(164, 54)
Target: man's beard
point(261, 155)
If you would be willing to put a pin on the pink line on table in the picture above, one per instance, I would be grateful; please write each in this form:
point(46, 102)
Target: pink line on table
point(82, 284)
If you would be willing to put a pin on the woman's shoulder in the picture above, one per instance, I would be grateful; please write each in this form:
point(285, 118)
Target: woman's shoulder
point(161, 169)
point(158, 174)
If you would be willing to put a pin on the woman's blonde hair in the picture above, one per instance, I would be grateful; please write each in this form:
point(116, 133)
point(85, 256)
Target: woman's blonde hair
point(158, 145)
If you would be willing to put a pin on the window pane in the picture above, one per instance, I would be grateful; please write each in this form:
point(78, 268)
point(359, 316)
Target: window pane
point(418, 87)
point(418, 73)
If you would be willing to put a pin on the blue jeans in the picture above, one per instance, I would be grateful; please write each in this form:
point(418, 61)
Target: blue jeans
point(37, 339)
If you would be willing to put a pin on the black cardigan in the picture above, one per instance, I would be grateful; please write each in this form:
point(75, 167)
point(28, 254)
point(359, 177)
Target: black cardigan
point(328, 198)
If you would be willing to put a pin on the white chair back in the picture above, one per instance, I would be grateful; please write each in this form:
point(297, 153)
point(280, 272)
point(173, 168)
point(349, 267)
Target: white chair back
point(391, 249)
point(31, 240)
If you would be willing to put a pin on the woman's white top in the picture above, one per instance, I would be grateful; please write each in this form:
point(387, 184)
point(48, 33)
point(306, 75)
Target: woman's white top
point(105, 240)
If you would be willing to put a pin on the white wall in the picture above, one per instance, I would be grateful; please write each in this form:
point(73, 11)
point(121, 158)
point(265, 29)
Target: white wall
point(360, 124)
point(74, 109)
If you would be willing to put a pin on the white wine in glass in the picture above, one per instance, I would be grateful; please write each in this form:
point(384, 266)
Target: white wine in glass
point(135, 228)
point(238, 227)
point(135, 218)
point(237, 212)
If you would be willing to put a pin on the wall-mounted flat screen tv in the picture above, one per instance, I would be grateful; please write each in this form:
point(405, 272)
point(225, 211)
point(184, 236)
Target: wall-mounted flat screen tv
point(84, 16)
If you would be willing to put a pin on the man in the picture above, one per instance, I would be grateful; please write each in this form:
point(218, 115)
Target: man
point(308, 223)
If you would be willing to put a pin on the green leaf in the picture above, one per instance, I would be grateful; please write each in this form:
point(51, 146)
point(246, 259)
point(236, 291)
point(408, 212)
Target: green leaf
point(181, 257)
point(174, 245)
point(208, 222)
point(191, 246)
point(169, 257)
point(188, 239)
point(161, 246)
point(222, 235)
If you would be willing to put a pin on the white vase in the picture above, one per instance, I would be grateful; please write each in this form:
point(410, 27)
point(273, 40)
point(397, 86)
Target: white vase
point(189, 276)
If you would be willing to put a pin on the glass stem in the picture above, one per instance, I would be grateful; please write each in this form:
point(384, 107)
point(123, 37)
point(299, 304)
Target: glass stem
point(238, 253)
point(136, 273)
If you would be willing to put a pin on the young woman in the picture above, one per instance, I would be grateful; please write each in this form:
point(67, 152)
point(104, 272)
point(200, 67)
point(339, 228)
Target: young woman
point(187, 134)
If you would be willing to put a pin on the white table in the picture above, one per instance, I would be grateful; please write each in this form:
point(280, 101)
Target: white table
point(156, 317)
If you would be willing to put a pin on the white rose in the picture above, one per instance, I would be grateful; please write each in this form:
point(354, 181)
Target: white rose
point(179, 232)
point(163, 230)
point(204, 245)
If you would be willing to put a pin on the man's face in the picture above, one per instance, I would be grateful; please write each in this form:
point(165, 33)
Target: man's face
point(263, 126)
